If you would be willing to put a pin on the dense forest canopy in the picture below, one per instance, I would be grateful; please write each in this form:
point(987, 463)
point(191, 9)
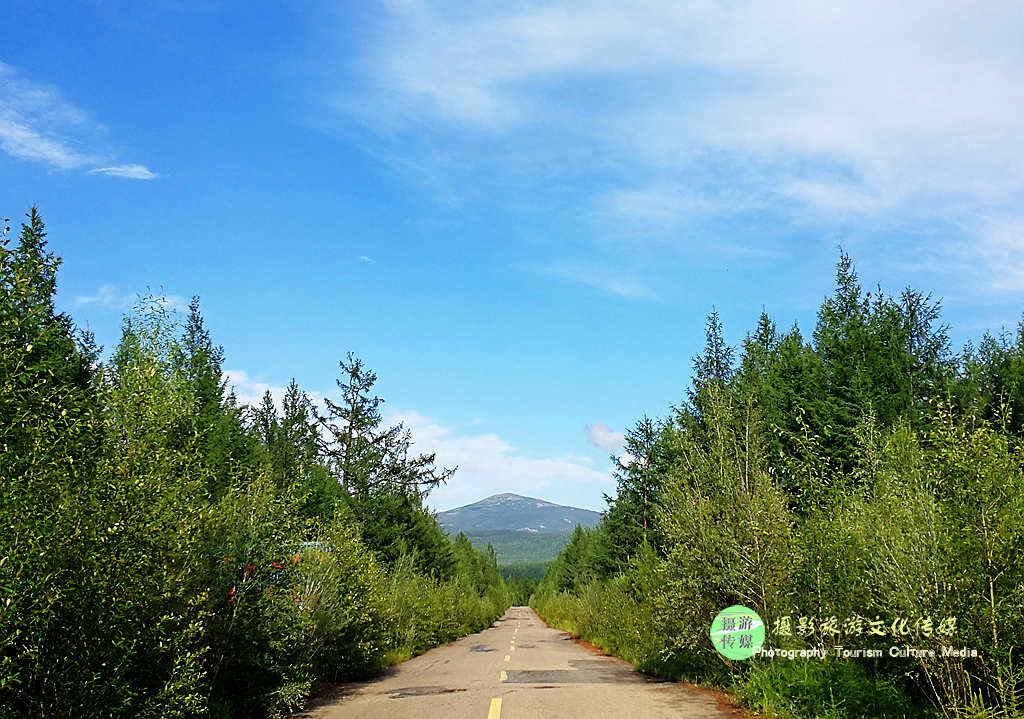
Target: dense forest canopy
point(864, 475)
point(166, 551)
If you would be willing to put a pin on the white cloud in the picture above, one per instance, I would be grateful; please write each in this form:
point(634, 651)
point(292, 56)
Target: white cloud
point(1002, 243)
point(611, 282)
point(364, 258)
point(37, 124)
point(131, 172)
point(627, 460)
point(107, 297)
point(835, 111)
point(21, 141)
point(490, 465)
point(998, 241)
point(601, 435)
point(250, 391)
point(892, 91)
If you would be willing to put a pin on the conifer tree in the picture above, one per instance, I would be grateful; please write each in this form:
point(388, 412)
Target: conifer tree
point(367, 459)
point(49, 447)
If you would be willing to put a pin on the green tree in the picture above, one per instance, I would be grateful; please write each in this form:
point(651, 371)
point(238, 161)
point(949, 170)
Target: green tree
point(383, 482)
point(224, 444)
point(366, 458)
point(49, 447)
point(712, 369)
point(628, 523)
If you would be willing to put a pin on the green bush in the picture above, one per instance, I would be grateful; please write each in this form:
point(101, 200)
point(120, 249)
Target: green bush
point(825, 689)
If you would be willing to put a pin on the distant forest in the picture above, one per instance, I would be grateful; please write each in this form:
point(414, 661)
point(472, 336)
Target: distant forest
point(514, 547)
point(862, 486)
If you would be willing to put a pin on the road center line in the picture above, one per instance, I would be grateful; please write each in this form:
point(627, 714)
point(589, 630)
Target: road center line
point(495, 711)
point(507, 658)
point(503, 676)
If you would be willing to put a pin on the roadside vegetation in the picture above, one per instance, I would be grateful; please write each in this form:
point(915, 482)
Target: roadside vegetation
point(168, 552)
point(864, 479)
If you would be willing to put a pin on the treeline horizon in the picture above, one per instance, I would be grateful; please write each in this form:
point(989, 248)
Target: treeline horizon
point(865, 477)
point(166, 551)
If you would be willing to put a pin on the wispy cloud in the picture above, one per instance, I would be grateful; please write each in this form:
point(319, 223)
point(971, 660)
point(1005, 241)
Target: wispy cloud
point(131, 172)
point(19, 140)
point(658, 204)
point(108, 297)
point(38, 125)
point(608, 281)
point(364, 258)
point(601, 435)
point(991, 253)
point(825, 113)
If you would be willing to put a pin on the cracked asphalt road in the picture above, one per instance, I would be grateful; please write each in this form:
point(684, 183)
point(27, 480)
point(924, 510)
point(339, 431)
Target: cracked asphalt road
point(519, 668)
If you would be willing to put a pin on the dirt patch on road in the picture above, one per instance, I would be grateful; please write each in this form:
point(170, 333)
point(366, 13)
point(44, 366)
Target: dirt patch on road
point(588, 645)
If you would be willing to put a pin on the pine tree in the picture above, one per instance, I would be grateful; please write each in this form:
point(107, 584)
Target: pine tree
point(629, 522)
point(367, 459)
point(715, 364)
point(383, 482)
point(225, 447)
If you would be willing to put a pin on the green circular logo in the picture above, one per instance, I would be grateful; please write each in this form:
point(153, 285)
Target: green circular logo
point(737, 632)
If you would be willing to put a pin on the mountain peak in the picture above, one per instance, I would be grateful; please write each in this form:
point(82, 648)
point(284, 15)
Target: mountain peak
point(508, 511)
point(509, 497)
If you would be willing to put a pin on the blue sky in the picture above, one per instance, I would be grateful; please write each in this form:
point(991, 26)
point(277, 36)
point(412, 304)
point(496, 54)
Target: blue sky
point(517, 214)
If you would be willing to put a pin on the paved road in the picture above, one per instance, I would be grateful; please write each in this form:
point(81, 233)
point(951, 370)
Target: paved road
point(519, 668)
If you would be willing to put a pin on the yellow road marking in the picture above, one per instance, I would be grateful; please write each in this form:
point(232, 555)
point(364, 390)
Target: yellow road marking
point(504, 675)
point(495, 712)
point(507, 658)
point(512, 648)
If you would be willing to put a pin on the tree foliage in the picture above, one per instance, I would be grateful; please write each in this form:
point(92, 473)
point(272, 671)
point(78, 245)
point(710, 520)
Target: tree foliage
point(866, 473)
point(166, 551)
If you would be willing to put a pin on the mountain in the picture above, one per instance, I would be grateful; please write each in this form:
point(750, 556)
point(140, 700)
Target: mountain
point(513, 512)
point(522, 530)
